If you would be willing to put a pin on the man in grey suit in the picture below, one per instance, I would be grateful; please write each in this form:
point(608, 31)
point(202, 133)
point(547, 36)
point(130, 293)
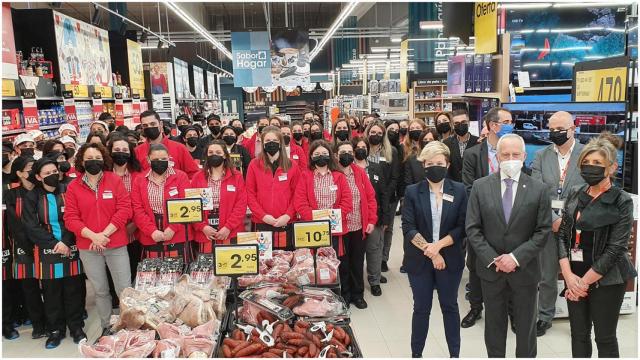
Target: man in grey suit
point(508, 222)
point(557, 167)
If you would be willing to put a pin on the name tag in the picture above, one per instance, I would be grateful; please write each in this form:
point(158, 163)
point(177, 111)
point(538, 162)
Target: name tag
point(333, 187)
point(173, 192)
point(231, 188)
point(576, 255)
point(73, 175)
point(295, 157)
point(61, 208)
point(557, 204)
point(382, 158)
point(107, 195)
point(282, 177)
point(4, 207)
point(447, 197)
point(375, 177)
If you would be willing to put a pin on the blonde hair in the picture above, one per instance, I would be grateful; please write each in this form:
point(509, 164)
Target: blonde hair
point(606, 144)
point(386, 149)
point(408, 144)
point(432, 149)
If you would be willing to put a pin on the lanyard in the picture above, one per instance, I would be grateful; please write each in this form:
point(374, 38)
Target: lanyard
point(563, 174)
point(492, 168)
point(577, 245)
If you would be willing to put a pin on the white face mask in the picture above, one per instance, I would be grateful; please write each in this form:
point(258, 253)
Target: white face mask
point(511, 167)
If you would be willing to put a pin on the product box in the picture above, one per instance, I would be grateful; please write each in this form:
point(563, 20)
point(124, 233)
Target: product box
point(487, 73)
point(10, 119)
point(477, 73)
point(468, 73)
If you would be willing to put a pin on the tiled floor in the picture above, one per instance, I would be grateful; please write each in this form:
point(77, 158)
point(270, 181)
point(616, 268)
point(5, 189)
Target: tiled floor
point(383, 330)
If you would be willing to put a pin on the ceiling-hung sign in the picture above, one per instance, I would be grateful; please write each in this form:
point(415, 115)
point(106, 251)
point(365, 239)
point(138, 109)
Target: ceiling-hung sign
point(290, 58)
point(251, 58)
point(486, 27)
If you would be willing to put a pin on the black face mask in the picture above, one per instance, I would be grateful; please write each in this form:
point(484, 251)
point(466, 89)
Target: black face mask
point(403, 131)
point(361, 154)
point(112, 127)
point(320, 160)
point(375, 139)
point(159, 166)
point(423, 143)
point(151, 133)
point(260, 128)
point(558, 137)
point(5, 160)
point(214, 161)
point(27, 152)
point(69, 152)
point(342, 135)
point(297, 136)
point(272, 148)
point(182, 128)
point(229, 140)
point(461, 129)
point(215, 130)
point(393, 136)
point(52, 180)
point(40, 145)
point(443, 128)
point(93, 167)
point(306, 133)
point(238, 130)
point(415, 135)
point(287, 139)
point(120, 158)
point(192, 141)
point(435, 173)
point(64, 167)
point(316, 135)
point(346, 159)
point(592, 174)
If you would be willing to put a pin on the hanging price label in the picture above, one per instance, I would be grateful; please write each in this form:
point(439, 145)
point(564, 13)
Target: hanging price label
point(105, 91)
point(119, 110)
point(135, 108)
point(78, 90)
point(97, 105)
point(184, 211)
point(311, 234)
point(235, 260)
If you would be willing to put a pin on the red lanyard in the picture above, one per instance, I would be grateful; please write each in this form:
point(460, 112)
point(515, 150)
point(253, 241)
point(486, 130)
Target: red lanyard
point(577, 245)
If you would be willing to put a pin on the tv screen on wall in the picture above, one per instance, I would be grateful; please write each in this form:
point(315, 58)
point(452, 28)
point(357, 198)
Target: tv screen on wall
point(547, 43)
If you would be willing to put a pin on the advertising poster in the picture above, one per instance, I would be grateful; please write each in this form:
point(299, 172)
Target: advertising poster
point(9, 61)
point(486, 27)
point(159, 78)
point(198, 82)
point(251, 58)
point(83, 52)
point(290, 58)
point(181, 78)
point(211, 85)
point(136, 74)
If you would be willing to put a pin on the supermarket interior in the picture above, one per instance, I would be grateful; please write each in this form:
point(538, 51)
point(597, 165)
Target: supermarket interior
point(272, 258)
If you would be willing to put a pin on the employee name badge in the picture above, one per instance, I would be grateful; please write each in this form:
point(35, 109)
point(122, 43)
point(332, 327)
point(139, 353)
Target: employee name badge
point(447, 197)
point(231, 188)
point(173, 192)
point(282, 177)
point(107, 195)
point(295, 157)
point(382, 159)
point(375, 177)
point(333, 187)
point(576, 255)
point(557, 204)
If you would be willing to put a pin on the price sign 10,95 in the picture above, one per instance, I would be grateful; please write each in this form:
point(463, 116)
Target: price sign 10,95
point(312, 234)
point(236, 260)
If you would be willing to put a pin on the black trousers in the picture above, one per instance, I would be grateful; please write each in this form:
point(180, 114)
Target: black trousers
point(352, 265)
point(63, 307)
point(7, 304)
point(19, 311)
point(135, 254)
point(475, 291)
point(33, 301)
point(602, 309)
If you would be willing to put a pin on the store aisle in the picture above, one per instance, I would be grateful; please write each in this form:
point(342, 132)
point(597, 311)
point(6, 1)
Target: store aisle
point(382, 330)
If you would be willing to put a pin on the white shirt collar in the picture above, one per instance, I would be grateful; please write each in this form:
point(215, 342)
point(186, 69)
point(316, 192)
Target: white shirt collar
point(515, 178)
point(555, 148)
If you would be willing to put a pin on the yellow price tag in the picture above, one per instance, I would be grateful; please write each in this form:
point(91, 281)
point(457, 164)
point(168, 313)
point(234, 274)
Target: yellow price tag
point(8, 87)
point(312, 234)
point(235, 260)
point(105, 91)
point(601, 85)
point(519, 90)
point(184, 211)
point(78, 90)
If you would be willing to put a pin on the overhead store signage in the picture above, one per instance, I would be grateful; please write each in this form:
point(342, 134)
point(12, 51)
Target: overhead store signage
point(136, 73)
point(486, 27)
point(290, 58)
point(251, 58)
point(211, 85)
point(601, 80)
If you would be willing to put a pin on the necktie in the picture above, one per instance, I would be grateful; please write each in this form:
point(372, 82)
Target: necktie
point(507, 199)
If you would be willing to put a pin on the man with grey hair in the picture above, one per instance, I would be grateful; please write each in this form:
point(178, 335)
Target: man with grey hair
point(557, 167)
point(508, 221)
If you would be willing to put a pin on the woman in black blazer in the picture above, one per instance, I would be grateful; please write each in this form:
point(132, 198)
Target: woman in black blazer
point(434, 212)
point(414, 169)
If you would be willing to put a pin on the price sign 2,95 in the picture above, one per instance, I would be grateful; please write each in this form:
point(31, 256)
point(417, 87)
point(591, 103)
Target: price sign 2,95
point(184, 211)
point(236, 260)
point(312, 234)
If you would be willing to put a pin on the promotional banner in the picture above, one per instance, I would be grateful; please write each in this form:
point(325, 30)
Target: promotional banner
point(290, 58)
point(70, 108)
point(404, 65)
point(136, 74)
point(486, 27)
point(181, 78)
point(251, 58)
point(119, 107)
point(83, 52)
point(9, 60)
point(159, 78)
point(96, 105)
point(198, 82)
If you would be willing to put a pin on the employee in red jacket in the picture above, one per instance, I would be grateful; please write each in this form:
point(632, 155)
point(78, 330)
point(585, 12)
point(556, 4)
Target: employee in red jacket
point(297, 132)
point(317, 132)
point(254, 143)
point(295, 152)
point(322, 186)
point(178, 156)
point(360, 222)
point(340, 132)
point(222, 224)
point(271, 184)
point(97, 211)
point(149, 196)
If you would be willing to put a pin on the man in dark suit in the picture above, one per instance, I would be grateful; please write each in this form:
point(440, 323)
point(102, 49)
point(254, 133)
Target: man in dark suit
point(457, 144)
point(508, 222)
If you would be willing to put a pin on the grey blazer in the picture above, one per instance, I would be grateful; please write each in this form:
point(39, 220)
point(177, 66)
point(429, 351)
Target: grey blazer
point(524, 235)
point(545, 168)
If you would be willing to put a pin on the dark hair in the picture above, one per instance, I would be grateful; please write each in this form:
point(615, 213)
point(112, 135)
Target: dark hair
point(335, 126)
point(150, 113)
point(240, 121)
point(37, 167)
point(228, 166)
point(342, 143)
point(228, 127)
point(357, 139)
point(133, 165)
point(493, 115)
point(198, 118)
point(19, 164)
point(294, 123)
point(212, 116)
point(187, 129)
point(357, 121)
point(277, 119)
point(391, 122)
point(283, 160)
point(122, 129)
point(325, 144)
point(199, 129)
point(431, 130)
point(49, 144)
point(445, 113)
point(138, 127)
point(106, 157)
point(105, 116)
point(316, 123)
point(459, 112)
point(157, 147)
point(183, 117)
point(133, 133)
point(103, 139)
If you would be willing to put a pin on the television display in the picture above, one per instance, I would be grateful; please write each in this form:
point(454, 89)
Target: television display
point(548, 43)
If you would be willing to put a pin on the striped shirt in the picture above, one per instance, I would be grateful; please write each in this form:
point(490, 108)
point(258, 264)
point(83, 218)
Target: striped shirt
point(215, 187)
point(322, 189)
point(156, 190)
point(85, 179)
point(354, 220)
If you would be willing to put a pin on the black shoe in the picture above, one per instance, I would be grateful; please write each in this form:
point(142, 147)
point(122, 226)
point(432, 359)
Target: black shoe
point(106, 332)
point(542, 327)
point(26, 322)
point(359, 303)
point(402, 270)
point(376, 290)
point(54, 339)
point(38, 332)
point(467, 287)
point(513, 324)
point(416, 356)
point(17, 324)
point(10, 333)
point(471, 318)
point(78, 335)
point(384, 267)
point(383, 280)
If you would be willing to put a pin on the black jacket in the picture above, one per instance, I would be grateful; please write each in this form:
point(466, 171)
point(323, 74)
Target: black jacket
point(244, 160)
point(610, 217)
point(413, 171)
point(378, 181)
point(455, 158)
point(392, 173)
point(22, 246)
point(400, 185)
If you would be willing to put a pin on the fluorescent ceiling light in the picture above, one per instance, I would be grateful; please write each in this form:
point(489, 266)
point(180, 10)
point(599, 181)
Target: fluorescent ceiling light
point(198, 27)
point(512, 6)
point(395, 50)
point(431, 25)
point(592, 4)
point(396, 39)
point(379, 49)
point(577, 29)
point(346, 11)
point(394, 56)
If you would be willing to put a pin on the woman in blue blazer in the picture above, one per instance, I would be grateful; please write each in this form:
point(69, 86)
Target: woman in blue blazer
point(434, 211)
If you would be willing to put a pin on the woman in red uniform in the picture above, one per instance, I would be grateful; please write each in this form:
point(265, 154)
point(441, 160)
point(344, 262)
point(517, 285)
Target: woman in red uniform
point(340, 132)
point(222, 224)
point(322, 186)
point(295, 152)
point(149, 195)
point(271, 184)
point(297, 133)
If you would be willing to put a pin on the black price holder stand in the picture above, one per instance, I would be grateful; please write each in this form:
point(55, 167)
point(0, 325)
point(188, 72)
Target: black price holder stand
point(184, 211)
point(312, 234)
point(235, 261)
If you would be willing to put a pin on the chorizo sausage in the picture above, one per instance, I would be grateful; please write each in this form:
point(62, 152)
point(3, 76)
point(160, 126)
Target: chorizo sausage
point(249, 350)
point(226, 351)
point(303, 350)
point(239, 347)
